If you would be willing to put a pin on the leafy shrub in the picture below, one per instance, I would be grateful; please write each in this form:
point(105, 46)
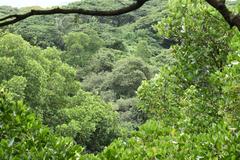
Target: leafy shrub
point(24, 137)
point(156, 140)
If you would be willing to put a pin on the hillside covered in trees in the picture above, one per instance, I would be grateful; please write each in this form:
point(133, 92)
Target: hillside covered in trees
point(162, 82)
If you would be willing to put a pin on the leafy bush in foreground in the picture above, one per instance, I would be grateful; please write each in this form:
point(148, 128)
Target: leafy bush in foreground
point(24, 137)
point(155, 140)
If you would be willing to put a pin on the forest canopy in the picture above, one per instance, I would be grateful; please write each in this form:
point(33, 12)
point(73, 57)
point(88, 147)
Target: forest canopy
point(162, 82)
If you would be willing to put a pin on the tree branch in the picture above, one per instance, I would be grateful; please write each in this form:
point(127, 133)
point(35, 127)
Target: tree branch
point(219, 5)
point(230, 18)
point(11, 19)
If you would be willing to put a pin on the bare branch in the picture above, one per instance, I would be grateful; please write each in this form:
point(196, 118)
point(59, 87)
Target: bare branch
point(11, 19)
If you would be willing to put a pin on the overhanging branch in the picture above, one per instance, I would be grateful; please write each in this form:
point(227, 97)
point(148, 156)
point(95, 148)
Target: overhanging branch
point(219, 5)
point(11, 19)
point(230, 18)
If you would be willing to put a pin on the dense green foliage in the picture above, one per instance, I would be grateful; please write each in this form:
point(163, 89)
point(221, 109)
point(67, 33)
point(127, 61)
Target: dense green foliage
point(194, 102)
point(158, 83)
point(156, 140)
point(96, 46)
point(49, 86)
point(24, 137)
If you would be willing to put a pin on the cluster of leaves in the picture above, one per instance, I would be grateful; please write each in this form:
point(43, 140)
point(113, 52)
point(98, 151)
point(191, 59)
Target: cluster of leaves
point(89, 121)
point(186, 86)
point(22, 135)
point(198, 89)
point(156, 140)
